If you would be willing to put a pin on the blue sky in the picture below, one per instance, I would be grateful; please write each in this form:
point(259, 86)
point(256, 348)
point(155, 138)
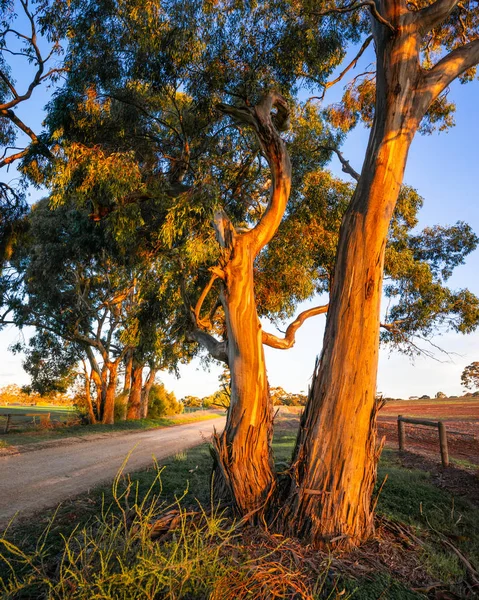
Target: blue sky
point(444, 169)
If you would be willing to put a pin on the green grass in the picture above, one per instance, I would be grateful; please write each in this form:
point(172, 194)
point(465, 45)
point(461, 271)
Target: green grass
point(34, 436)
point(105, 558)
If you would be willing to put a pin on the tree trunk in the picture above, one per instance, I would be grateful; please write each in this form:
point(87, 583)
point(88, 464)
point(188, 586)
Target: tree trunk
point(109, 409)
point(134, 399)
point(244, 468)
point(243, 452)
point(89, 403)
point(145, 392)
point(329, 500)
point(128, 370)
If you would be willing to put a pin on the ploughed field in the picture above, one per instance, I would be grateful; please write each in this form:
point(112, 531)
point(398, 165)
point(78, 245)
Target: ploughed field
point(460, 415)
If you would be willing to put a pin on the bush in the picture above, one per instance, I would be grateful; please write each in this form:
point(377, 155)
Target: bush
point(162, 403)
point(121, 402)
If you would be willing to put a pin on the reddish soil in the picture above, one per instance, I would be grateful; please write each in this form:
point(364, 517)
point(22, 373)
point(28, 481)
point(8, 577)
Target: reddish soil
point(460, 416)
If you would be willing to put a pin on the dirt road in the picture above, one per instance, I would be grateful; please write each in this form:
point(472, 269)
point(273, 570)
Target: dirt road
point(41, 479)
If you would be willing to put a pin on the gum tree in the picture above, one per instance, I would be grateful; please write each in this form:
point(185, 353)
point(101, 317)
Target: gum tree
point(22, 25)
point(329, 499)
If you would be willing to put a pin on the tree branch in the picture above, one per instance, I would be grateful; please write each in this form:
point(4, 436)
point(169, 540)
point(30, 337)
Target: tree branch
point(267, 126)
point(351, 65)
point(434, 14)
point(201, 299)
point(356, 6)
point(346, 167)
point(218, 350)
point(449, 68)
point(289, 338)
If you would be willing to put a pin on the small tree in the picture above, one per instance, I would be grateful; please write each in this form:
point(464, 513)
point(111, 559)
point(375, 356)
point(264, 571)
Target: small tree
point(162, 403)
point(470, 376)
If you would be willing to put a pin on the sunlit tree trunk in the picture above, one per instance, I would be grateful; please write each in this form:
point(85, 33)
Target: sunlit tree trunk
point(244, 457)
point(244, 470)
point(134, 398)
point(109, 409)
point(145, 392)
point(128, 369)
point(88, 397)
point(329, 500)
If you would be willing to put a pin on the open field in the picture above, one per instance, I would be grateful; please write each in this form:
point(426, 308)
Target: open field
point(460, 415)
point(30, 417)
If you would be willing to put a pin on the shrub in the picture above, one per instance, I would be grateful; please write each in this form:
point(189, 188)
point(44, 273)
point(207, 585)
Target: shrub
point(162, 403)
point(121, 401)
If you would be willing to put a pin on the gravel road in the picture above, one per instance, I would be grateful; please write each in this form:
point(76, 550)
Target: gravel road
point(32, 481)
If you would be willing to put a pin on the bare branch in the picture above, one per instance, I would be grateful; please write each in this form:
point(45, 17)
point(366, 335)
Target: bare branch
point(201, 299)
point(9, 84)
point(13, 157)
point(267, 126)
point(224, 230)
point(449, 68)
point(289, 338)
point(356, 6)
point(434, 14)
point(351, 65)
point(346, 167)
point(218, 350)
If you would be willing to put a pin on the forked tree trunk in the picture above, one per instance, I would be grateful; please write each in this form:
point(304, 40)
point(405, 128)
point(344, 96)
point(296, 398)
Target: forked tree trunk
point(109, 410)
point(134, 398)
point(334, 467)
point(243, 451)
point(244, 470)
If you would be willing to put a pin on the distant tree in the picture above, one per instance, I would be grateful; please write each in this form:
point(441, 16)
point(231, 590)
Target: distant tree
point(162, 403)
point(441, 395)
point(280, 397)
point(470, 376)
point(192, 401)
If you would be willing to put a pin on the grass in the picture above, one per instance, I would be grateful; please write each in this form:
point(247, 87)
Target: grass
point(34, 436)
point(100, 546)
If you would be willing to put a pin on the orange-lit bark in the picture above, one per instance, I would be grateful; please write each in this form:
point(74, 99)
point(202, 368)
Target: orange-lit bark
point(145, 392)
point(244, 461)
point(334, 466)
point(89, 402)
point(128, 368)
point(109, 408)
point(134, 398)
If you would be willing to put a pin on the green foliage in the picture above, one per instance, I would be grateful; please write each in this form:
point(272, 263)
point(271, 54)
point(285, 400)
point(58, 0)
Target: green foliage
point(192, 402)
point(121, 401)
point(162, 403)
point(470, 376)
point(280, 397)
point(50, 362)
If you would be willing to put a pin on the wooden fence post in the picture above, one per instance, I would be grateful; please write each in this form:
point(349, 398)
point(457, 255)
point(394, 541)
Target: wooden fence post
point(7, 424)
point(443, 444)
point(401, 433)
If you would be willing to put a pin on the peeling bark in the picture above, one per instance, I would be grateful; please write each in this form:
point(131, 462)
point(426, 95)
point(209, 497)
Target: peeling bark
point(329, 498)
point(244, 468)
